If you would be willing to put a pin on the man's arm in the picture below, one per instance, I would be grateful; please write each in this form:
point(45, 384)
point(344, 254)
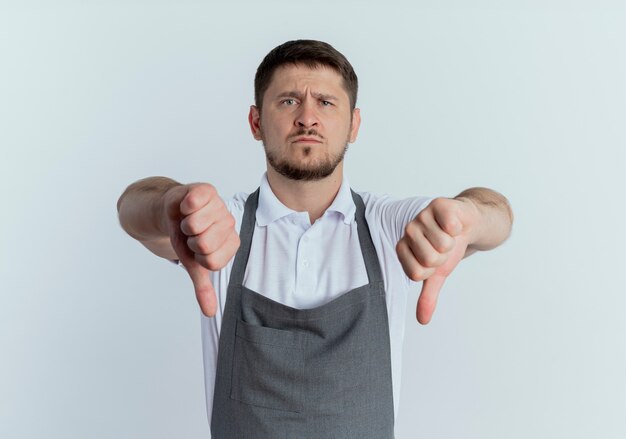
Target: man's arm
point(142, 216)
point(495, 218)
point(186, 222)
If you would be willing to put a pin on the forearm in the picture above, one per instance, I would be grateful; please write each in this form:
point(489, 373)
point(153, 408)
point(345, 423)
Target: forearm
point(494, 218)
point(140, 208)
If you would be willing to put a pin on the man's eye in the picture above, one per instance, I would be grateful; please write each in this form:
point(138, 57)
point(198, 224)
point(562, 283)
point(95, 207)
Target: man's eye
point(289, 101)
point(326, 103)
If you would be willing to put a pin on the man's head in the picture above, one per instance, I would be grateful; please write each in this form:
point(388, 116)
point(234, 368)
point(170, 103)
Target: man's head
point(305, 113)
point(309, 53)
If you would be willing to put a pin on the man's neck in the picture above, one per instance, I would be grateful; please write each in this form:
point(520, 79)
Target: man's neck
point(313, 197)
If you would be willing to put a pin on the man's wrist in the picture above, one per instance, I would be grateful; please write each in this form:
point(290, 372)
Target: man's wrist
point(493, 220)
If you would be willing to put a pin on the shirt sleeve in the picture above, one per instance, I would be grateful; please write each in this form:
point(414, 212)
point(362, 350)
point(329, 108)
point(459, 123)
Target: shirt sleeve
point(393, 214)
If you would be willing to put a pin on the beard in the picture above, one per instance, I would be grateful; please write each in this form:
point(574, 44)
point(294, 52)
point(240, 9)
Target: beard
point(314, 171)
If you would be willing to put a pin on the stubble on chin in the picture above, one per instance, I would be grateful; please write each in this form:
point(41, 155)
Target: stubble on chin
point(313, 172)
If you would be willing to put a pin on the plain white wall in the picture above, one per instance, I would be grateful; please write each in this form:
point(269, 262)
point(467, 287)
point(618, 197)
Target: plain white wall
point(99, 339)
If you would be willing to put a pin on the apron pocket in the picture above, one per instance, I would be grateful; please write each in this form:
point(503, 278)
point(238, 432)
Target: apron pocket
point(268, 367)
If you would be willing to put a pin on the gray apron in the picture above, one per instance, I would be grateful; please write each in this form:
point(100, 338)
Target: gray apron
point(320, 373)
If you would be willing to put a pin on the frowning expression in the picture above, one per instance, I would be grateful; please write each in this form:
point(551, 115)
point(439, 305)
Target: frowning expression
point(306, 121)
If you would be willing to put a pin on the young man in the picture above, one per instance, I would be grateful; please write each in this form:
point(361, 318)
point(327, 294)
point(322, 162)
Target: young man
point(303, 283)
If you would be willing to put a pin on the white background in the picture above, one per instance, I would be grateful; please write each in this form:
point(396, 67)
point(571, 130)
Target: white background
point(100, 339)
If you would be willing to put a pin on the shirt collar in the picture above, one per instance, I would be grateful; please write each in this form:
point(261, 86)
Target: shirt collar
point(271, 208)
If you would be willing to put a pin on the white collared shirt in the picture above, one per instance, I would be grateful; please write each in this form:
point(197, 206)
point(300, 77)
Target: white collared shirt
point(306, 265)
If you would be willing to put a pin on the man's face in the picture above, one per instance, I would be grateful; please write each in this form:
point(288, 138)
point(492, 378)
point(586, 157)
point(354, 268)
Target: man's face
point(306, 122)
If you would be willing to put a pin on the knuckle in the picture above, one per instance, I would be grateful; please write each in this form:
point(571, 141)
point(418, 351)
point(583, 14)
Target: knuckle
point(410, 228)
point(446, 222)
point(207, 190)
point(195, 224)
point(449, 225)
point(416, 274)
point(420, 218)
point(447, 243)
point(193, 200)
point(214, 262)
point(195, 227)
point(429, 260)
point(210, 188)
point(439, 202)
point(199, 194)
point(407, 228)
point(440, 247)
point(193, 245)
point(184, 227)
point(205, 247)
point(189, 226)
point(204, 260)
point(230, 221)
point(402, 248)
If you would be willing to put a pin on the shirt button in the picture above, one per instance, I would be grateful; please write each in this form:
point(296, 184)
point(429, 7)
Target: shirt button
point(306, 239)
point(305, 263)
point(294, 222)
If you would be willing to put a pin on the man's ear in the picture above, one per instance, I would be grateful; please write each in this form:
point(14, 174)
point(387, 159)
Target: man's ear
point(356, 123)
point(254, 119)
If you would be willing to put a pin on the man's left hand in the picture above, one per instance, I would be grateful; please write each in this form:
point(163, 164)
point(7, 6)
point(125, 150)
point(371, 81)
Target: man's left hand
point(432, 246)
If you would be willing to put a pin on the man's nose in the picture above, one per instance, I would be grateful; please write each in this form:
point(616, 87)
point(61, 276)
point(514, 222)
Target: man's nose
point(307, 114)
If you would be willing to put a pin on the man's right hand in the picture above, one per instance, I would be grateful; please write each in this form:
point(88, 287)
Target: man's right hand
point(202, 233)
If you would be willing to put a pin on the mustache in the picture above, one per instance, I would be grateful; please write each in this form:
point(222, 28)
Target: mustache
point(305, 132)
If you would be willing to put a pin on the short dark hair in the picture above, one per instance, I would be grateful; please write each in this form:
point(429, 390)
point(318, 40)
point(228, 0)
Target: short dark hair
point(310, 53)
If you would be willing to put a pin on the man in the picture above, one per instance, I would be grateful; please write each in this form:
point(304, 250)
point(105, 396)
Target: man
point(303, 283)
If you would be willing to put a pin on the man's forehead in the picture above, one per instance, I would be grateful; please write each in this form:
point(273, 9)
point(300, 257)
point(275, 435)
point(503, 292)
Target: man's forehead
point(292, 76)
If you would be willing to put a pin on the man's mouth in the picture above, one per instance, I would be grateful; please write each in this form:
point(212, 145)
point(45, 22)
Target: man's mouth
point(306, 140)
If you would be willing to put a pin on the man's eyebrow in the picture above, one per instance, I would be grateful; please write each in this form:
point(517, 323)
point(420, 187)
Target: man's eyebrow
point(325, 97)
point(290, 94)
point(298, 95)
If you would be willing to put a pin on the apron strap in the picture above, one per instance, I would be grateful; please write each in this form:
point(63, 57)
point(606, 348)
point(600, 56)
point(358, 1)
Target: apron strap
point(245, 236)
point(372, 264)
